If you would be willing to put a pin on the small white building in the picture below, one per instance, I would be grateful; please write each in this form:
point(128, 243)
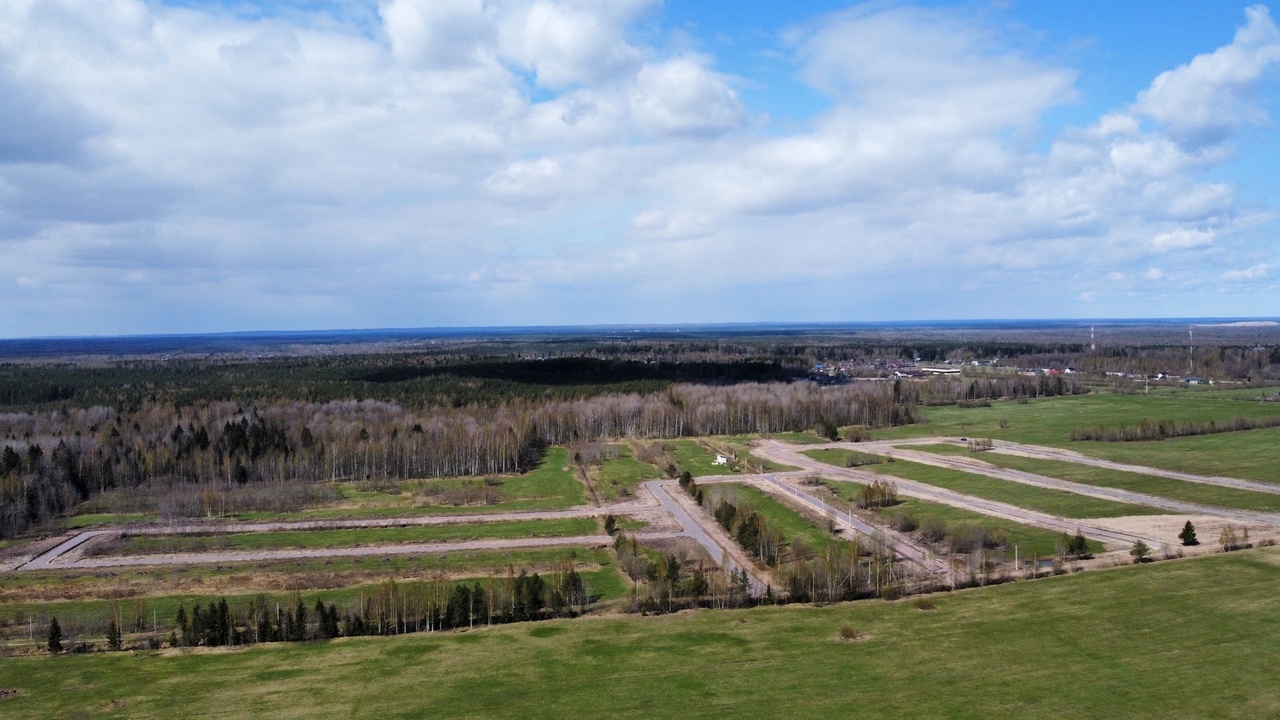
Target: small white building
point(720, 460)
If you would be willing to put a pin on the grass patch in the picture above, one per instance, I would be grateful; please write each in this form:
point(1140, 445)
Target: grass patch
point(552, 486)
point(741, 446)
point(697, 459)
point(840, 457)
point(354, 537)
point(1246, 454)
point(1054, 502)
point(800, 438)
point(268, 576)
point(1049, 421)
point(1169, 639)
point(1137, 482)
point(88, 618)
point(780, 517)
point(1028, 538)
point(93, 519)
point(619, 476)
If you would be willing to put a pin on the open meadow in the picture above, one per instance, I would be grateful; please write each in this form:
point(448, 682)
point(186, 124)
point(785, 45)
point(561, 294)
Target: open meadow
point(1171, 639)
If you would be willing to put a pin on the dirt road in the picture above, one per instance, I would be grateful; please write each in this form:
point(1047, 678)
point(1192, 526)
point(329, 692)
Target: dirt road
point(311, 553)
point(784, 486)
point(1041, 452)
point(655, 503)
point(792, 455)
point(972, 465)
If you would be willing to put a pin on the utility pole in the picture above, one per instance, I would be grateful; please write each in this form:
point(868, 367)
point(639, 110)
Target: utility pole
point(1191, 350)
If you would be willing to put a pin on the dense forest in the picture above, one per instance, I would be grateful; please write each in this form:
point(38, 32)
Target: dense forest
point(271, 431)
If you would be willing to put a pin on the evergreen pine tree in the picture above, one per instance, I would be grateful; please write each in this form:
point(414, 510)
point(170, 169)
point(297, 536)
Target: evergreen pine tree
point(1140, 552)
point(55, 636)
point(114, 641)
point(1188, 534)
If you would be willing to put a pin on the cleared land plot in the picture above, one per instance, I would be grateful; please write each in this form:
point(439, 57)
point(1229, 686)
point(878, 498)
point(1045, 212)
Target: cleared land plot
point(270, 576)
point(91, 616)
point(1248, 454)
point(780, 517)
point(618, 477)
point(741, 445)
point(148, 544)
point(552, 486)
point(696, 459)
point(1136, 482)
point(1031, 540)
point(1087, 645)
point(800, 438)
point(1054, 502)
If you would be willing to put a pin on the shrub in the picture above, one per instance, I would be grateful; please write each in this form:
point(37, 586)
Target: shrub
point(934, 529)
point(880, 493)
point(854, 458)
point(849, 634)
point(1139, 552)
point(923, 604)
point(903, 522)
point(969, 537)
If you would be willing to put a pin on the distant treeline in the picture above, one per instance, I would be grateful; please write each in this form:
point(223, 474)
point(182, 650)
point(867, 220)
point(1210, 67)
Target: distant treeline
point(412, 380)
point(53, 460)
point(950, 390)
point(456, 374)
point(1163, 429)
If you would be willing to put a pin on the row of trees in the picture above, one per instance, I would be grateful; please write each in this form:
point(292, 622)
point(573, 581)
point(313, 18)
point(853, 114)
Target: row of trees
point(1147, 429)
point(52, 461)
point(950, 390)
point(388, 609)
point(847, 569)
point(666, 581)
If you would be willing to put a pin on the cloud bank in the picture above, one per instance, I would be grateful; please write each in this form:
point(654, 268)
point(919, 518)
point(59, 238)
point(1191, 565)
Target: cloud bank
point(455, 162)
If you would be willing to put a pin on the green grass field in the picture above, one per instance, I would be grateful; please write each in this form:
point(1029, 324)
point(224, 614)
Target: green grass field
point(552, 486)
point(800, 438)
point(1049, 421)
point(830, 456)
point(564, 527)
point(695, 458)
point(313, 573)
point(619, 476)
point(780, 517)
point(741, 444)
point(1136, 482)
point(1030, 540)
point(1171, 639)
point(1054, 502)
point(605, 583)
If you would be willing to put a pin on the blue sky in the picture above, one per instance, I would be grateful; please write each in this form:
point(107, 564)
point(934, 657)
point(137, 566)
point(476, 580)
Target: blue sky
point(199, 166)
